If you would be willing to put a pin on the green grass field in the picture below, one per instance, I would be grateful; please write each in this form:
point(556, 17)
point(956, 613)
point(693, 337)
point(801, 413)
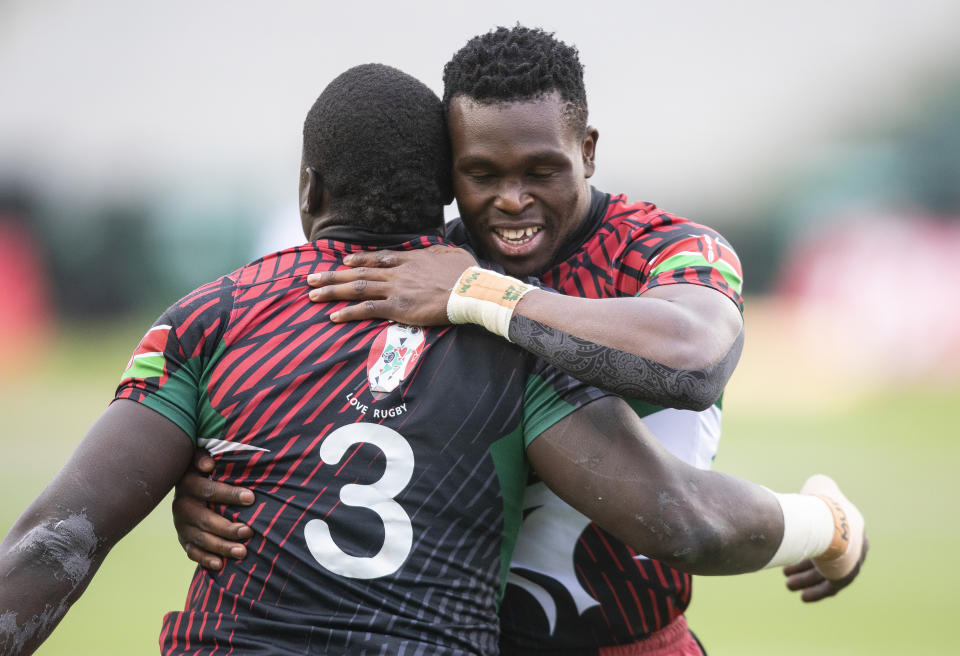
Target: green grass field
point(896, 453)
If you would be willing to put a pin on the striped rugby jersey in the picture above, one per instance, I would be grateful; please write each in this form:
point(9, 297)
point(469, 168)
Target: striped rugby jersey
point(573, 587)
point(387, 463)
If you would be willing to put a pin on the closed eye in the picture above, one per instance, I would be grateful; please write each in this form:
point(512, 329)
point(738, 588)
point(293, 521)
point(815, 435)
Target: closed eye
point(541, 174)
point(480, 177)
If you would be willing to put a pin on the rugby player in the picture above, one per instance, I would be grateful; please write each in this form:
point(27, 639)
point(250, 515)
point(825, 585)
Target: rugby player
point(651, 309)
point(388, 465)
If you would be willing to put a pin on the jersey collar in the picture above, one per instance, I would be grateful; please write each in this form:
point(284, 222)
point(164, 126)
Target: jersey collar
point(380, 239)
point(599, 202)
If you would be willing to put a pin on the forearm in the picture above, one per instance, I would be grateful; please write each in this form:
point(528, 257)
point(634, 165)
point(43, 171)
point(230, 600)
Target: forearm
point(125, 465)
point(675, 345)
point(626, 373)
point(44, 567)
point(698, 521)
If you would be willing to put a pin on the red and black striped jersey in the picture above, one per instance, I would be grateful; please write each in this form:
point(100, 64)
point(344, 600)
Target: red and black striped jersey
point(573, 586)
point(387, 462)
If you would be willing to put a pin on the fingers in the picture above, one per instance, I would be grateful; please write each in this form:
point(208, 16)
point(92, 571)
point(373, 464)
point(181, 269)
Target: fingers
point(356, 290)
point(804, 576)
point(462, 255)
point(385, 259)
point(803, 579)
point(202, 461)
point(343, 276)
point(211, 555)
point(822, 590)
point(202, 558)
point(796, 568)
point(192, 516)
point(364, 310)
point(378, 259)
point(200, 487)
point(207, 536)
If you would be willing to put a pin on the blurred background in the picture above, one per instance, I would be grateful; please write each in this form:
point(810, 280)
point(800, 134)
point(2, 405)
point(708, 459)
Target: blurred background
point(146, 148)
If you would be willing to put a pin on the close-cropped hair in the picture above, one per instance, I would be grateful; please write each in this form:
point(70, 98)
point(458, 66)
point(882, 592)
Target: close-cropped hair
point(518, 64)
point(378, 138)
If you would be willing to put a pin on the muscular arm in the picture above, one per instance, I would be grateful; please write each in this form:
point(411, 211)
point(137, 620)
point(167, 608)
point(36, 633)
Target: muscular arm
point(695, 386)
point(606, 464)
point(675, 345)
point(602, 461)
point(127, 462)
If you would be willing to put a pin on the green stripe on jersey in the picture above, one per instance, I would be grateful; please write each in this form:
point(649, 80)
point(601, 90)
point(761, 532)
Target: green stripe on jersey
point(642, 408)
point(510, 464)
point(183, 397)
point(148, 365)
point(210, 423)
point(542, 408)
point(693, 259)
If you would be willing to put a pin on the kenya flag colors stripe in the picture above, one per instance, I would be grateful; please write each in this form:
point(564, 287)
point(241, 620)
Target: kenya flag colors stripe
point(147, 360)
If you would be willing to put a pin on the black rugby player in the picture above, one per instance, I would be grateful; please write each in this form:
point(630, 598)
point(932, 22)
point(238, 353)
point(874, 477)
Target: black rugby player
point(388, 460)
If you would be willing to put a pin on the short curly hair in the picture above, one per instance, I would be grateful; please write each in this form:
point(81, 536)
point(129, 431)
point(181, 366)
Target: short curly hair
point(518, 64)
point(378, 137)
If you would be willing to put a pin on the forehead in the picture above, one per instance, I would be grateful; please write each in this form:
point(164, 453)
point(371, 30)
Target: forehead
point(484, 129)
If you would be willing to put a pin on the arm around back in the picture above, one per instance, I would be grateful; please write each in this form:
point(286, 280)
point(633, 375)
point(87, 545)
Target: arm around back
point(603, 461)
point(675, 345)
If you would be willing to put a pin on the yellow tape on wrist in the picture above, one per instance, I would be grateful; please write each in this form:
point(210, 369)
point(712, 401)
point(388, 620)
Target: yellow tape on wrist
point(485, 298)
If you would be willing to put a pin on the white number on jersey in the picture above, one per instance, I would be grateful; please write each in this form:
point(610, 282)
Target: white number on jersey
point(378, 497)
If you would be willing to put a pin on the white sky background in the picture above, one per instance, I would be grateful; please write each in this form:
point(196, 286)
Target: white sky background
point(698, 103)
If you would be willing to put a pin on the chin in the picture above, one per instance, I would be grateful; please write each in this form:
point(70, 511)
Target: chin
point(529, 265)
point(521, 269)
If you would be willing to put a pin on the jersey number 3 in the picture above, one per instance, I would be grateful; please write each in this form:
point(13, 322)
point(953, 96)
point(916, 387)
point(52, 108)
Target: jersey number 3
point(378, 497)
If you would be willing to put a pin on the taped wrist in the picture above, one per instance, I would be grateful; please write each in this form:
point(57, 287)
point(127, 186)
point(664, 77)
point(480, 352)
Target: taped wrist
point(485, 298)
point(846, 549)
point(841, 532)
point(808, 528)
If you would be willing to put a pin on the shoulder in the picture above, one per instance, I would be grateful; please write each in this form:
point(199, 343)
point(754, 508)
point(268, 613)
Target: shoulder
point(646, 227)
point(209, 307)
point(643, 217)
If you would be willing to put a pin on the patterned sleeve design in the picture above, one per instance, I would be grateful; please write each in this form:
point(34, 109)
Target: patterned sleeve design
point(669, 250)
point(166, 371)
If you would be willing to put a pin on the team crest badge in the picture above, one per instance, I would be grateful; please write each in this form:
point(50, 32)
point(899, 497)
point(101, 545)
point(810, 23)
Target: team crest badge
point(392, 357)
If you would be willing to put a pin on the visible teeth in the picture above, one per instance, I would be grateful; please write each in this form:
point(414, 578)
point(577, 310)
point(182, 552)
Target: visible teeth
point(517, 234)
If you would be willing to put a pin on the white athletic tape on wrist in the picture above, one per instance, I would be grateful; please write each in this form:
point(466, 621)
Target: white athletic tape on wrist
point(485, 298)
point(808, 528)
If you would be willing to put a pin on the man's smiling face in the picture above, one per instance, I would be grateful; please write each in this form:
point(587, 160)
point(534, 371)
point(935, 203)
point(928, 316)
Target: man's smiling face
point(520, 176)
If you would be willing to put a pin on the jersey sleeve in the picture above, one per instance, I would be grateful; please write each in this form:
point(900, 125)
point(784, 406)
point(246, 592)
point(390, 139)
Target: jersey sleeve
point(166, 371)
point(549, 396)
point(680, 252)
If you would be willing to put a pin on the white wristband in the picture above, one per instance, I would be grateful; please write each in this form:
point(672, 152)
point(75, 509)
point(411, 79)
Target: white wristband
point(485, 298)
point(808, 528)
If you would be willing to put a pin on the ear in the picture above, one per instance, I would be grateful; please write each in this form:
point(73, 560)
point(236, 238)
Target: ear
point(589, 151)
point(311, 191)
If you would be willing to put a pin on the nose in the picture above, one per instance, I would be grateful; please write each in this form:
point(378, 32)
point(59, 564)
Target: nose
point(512, 198)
